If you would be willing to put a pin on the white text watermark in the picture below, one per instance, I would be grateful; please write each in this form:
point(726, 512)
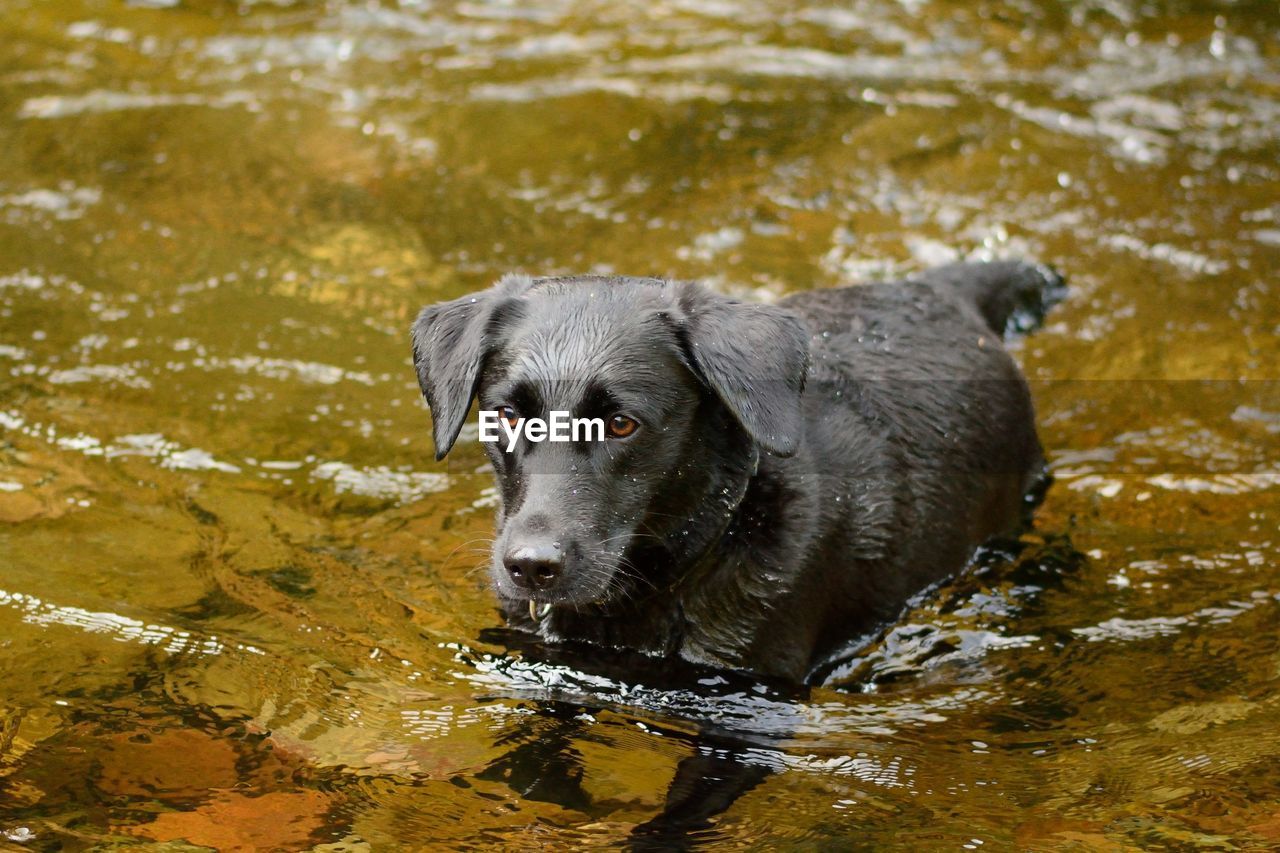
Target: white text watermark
point(561, 426)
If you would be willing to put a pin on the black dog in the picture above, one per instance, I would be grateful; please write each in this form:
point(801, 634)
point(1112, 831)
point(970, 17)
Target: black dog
point(776, 479)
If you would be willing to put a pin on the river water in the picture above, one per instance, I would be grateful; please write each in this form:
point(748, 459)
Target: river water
point(240, 605)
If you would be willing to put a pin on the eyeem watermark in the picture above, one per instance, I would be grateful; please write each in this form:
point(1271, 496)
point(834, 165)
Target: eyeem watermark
point(559, 427)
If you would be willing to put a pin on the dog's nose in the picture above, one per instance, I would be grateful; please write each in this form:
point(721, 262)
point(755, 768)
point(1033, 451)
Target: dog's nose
point(535, 567)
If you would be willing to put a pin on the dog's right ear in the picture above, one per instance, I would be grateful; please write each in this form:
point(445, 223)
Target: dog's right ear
point(450, 343)
point(755, 358)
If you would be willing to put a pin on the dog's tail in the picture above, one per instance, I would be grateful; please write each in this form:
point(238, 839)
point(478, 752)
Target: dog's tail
point(1012, 296)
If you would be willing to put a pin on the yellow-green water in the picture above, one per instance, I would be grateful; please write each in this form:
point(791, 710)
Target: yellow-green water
point(239, 604)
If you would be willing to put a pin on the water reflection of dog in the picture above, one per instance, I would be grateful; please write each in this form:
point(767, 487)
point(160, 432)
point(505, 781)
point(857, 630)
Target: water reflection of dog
point(724, 759)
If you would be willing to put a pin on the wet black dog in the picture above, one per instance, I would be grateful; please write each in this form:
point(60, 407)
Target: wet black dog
point(775, 479)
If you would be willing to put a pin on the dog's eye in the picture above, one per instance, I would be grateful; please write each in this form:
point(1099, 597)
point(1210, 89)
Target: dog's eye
point(621, 426)
point(509, 415)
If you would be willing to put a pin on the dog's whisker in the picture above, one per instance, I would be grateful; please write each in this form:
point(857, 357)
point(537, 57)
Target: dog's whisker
point(486, 539)
point(472, 572)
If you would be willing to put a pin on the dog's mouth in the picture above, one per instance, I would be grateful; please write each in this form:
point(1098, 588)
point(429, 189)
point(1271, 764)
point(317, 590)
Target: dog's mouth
point(539, 611)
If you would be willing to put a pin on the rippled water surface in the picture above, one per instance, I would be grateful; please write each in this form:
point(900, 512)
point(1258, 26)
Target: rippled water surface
point(239, 604)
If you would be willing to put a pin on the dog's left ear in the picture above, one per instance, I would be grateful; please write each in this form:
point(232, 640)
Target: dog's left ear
point(450, 343)
point(754, 357)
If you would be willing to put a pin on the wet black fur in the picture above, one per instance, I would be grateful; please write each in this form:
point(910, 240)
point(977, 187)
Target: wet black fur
point(801, 470)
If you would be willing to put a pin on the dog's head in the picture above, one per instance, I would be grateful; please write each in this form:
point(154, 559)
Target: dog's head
point(690, 387)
